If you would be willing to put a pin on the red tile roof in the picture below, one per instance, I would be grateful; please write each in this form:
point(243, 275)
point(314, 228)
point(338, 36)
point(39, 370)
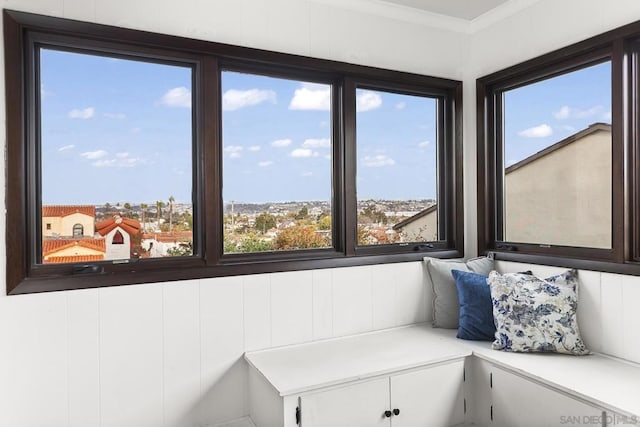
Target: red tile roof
point(50, 246)
point(169, 237)
point(74, 259)
point(64, 210)
point(129, 225)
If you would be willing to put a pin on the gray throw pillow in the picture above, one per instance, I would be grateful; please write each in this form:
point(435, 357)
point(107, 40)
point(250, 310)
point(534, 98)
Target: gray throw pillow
point(446, 308)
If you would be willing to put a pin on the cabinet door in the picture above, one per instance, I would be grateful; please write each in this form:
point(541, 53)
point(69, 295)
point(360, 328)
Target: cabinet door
point(518, 402)
point(361, 405)
point(430, 397)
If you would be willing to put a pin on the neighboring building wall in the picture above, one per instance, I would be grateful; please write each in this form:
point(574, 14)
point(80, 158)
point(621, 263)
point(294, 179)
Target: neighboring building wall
point(51, 225)
point(564, 197)
point(63, 226)
point(118, 251)
point(67, 223)
point(422, 229)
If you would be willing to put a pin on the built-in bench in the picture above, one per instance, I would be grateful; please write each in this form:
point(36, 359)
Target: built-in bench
point(431, 378)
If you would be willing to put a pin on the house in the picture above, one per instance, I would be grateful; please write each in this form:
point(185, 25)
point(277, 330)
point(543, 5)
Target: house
point(422, 226)
point(118, 233)
point(68, 221)
point(170, 352)
point(568, 205)
point(542, 198)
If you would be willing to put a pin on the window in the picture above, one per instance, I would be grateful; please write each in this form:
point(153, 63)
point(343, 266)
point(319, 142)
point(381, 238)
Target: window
point(78, 230)
point(557, 160)
point(118, 238)
point(111, 146)
point(277, 181)
point(555, 183)
point(135, 157)
point(397, 146)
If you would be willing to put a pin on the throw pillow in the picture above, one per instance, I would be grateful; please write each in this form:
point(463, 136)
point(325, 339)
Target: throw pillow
point(445, 296)
point(536, 315)
point(476, 314)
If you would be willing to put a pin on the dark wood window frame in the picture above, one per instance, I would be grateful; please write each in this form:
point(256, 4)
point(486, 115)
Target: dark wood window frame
point(23, 31)
point(619, 47)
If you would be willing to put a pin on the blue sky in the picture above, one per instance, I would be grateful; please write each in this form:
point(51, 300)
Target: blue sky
point(277, 141)
point(114, 130)
point(541, 114)
point(118, 130)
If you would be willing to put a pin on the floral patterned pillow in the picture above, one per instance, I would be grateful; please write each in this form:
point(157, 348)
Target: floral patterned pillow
point(536, 315)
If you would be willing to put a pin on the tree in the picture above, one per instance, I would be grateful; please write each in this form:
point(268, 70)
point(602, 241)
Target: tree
point(143, 208)
point(324, 223)
point(159, 206)
point(299, 237)
point(127, 208)
point(171, 200)
point(183, 249)
point(264, 222)
point(302, 213)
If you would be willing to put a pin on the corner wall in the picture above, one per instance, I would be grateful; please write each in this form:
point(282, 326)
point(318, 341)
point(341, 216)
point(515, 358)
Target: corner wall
point(170, 354)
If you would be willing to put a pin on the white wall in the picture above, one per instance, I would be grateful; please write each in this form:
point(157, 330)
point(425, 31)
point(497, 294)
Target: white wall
point(170, 354)
point(543, 26)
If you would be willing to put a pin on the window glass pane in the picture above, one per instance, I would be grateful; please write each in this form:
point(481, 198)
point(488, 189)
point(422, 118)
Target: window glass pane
point(557, 154)
point(116, 154)
point(397, 168)
point(276, 163)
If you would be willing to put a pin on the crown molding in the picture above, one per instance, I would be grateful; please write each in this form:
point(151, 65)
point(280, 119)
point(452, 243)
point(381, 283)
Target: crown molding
point(400, 13)
point(430, 19)
point(499, 13)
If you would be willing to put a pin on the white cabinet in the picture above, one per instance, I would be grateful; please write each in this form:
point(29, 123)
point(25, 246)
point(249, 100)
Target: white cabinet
point(431, 397)
point(519, 402)
point(401, 378)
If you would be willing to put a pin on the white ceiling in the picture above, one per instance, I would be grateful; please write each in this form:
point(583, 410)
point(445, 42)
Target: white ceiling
point(462, 9)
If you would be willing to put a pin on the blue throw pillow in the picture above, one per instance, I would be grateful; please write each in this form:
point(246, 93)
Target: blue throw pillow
point(476, 309)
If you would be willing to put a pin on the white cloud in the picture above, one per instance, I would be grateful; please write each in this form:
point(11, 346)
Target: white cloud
point(265, 163)
point(566, 112)
point(254, 148)
point(311, 97)
point(235, 99)
point(93, 155)
point(367, 100)
point(123, 155)
point(279, 143)
point(401, 105)
point(424, 144)
point(540, 131)
point(302, 152)
point(177, 97)
point(117, 116)
point(66, 147)
point(306, 174)
point(233, 151)
point(119, 162)
point(85, 113)
point(317, 143)
point(378, 161)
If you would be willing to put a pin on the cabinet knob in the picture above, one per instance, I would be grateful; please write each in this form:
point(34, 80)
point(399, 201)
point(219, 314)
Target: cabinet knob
point(396, 411)
point(387, 414)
